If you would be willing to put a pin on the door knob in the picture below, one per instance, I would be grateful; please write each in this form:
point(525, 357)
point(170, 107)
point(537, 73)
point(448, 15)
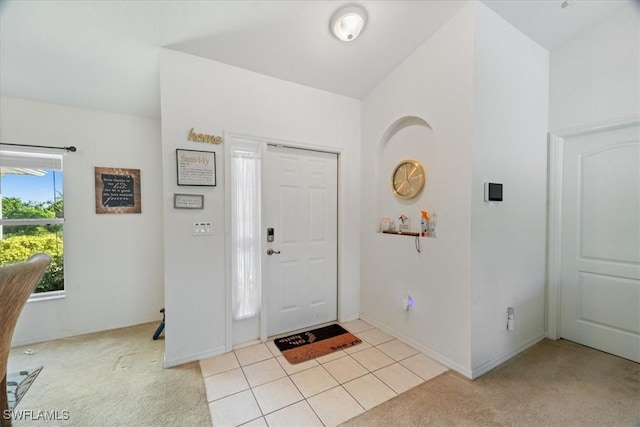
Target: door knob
point(272, 251)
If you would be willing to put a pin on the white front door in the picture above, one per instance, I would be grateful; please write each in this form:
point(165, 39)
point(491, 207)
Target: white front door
point(600, 278)
point(300, 200)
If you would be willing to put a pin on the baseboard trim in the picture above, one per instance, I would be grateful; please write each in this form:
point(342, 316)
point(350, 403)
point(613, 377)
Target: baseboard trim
point(19, 342)
point(499, 360)
point(349, 318)
point(246, 344)
point(194, 357)
point(427, 351)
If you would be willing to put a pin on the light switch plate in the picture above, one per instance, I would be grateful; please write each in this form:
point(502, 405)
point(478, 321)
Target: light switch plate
point(202, 229)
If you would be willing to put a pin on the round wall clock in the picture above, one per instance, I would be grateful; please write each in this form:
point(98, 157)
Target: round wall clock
point(407, 179)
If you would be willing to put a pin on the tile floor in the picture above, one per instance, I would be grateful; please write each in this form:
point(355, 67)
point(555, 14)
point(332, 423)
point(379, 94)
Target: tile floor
point(256, 386)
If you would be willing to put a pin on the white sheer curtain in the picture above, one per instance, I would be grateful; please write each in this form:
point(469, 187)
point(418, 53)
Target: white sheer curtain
point(245, 231)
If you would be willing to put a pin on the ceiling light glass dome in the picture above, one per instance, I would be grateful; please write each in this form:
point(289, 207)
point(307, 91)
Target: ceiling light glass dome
point(348, 23)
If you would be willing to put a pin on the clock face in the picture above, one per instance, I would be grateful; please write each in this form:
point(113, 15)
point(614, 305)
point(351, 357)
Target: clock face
point(407, 179)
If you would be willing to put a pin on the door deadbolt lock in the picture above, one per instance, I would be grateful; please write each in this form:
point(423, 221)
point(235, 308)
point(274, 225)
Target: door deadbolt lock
point(272, 251)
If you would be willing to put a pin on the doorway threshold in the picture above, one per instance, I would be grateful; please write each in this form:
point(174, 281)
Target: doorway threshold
point(297, 331)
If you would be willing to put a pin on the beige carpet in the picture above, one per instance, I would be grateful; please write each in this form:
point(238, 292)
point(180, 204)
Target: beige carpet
point(111, 378)
point(555, 383)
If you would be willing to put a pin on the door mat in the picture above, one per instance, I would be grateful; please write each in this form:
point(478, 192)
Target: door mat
point(18, 383)
point(315, 343)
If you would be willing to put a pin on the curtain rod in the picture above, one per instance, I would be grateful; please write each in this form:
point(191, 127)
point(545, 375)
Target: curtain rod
point(71, 148)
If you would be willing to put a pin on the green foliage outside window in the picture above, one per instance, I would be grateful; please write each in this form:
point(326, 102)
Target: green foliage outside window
point(19, 242)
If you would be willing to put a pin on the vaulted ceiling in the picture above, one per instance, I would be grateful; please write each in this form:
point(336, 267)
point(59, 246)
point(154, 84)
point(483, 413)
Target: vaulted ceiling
point(104, 54)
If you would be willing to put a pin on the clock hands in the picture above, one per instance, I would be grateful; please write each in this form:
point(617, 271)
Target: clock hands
point(409, 175)
point(404, 184)
point(400, 186)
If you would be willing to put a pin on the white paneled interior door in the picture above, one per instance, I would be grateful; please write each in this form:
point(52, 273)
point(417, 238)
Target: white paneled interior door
point(600, 266)
point(300, 200)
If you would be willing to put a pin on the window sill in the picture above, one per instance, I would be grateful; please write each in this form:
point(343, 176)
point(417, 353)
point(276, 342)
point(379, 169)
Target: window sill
point(46, 296)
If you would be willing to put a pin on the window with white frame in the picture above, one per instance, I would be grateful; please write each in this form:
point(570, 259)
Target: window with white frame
point(32, 212)
point(245, 229)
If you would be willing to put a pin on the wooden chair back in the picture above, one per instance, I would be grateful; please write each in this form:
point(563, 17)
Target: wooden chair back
point(17, 282)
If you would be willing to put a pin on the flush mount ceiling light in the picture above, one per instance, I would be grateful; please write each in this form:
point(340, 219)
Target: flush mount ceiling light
point(348, 22)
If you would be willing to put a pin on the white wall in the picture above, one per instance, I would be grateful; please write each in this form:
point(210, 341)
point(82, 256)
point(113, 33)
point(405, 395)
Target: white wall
point(594, 76)
point(213, 98)
point(510, 147)
point(113, 263)
point(434, 84)
point(482, 87)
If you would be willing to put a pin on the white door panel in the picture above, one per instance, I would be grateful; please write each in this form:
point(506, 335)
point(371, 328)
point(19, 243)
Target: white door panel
point(600, 278)
point(300, 204)
point(599, 294)
point(608, 203)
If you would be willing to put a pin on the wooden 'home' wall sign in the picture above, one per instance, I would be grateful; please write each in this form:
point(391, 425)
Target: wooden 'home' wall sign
point(203, 137)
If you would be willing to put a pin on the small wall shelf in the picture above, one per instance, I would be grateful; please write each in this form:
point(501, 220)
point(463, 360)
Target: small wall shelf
point(401, 233)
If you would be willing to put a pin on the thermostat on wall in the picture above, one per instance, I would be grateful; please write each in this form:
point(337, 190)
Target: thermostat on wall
point(492, 192)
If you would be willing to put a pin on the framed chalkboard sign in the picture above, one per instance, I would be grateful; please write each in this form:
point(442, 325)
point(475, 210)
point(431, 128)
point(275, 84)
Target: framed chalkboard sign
point(117, 190)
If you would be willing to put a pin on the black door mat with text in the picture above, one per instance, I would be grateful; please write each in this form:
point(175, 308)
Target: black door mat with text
point(308, 345)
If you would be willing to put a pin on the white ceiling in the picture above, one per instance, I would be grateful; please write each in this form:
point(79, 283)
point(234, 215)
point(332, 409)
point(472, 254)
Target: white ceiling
point(104, 54)
point(550, 25)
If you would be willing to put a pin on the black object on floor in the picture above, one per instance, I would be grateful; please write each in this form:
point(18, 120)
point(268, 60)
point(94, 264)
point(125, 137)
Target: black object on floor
point(315, 343)
point(160, 328)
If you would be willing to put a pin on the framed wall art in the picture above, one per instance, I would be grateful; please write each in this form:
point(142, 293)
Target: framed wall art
point(188, 201)
point(117, 190)
point(197, 168)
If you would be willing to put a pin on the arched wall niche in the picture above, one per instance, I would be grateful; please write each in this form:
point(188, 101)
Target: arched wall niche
point(409, 137)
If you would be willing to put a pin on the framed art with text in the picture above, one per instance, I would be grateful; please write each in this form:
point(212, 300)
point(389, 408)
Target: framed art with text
point(188, 201)
point(197, 168)
point(117, 190)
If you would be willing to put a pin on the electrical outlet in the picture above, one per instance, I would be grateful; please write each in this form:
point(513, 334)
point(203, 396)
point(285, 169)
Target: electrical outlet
point(511, 319)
